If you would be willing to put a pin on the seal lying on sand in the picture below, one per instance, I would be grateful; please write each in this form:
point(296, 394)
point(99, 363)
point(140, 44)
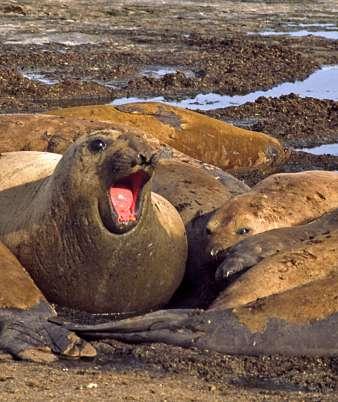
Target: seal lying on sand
point(280, 200)
point(25, 332)
point(46, 133)
point(298, 318)
point(91, 235)
point(194, 188)
point(192, 133)
point(81, 221)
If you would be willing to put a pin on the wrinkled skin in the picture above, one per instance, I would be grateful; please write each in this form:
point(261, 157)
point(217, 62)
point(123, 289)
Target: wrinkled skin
point(25, 332)
point(67, 237)
point(298, 320)
point(281, 200)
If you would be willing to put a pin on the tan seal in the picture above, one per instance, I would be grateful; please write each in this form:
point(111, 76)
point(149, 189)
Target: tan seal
point(281, 200)
point(193, 187)
point(194, 134)
point(287, 269)
point(286, 301)
point(87, 227)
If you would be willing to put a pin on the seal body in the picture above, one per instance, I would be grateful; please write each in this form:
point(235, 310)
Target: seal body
point(285, 301)
point(281, 200)
point(192, 133)
point(290, 268)
point(194, 188)
point(56, 220)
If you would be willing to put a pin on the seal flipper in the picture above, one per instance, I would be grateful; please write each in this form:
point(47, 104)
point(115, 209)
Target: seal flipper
point(251, 251)
point(301, 321)
point(25, 332)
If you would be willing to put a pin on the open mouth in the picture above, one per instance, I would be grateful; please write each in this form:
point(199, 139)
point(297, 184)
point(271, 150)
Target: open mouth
point(126, 201)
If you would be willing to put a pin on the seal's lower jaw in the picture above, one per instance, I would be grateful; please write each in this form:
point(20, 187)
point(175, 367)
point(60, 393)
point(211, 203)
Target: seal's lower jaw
point(125, 198)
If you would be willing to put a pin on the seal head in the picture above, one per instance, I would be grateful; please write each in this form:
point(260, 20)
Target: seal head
point(92, 234)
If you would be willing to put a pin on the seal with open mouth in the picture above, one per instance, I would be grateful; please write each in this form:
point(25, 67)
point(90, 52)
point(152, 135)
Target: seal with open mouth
point(284, 302)
point(87, 227)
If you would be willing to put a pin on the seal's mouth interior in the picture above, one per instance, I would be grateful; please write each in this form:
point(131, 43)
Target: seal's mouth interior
point(124, 196)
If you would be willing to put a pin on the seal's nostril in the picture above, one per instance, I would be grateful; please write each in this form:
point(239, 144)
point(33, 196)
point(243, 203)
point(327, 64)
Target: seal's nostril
point(142, 159)
point(215, 251)
point(147, 159)
point(154, 159)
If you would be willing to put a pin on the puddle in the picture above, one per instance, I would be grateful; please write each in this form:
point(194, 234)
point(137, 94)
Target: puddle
point(322, 84)
point(39, 77)
point(312, 25)
point(301, 33)
point(123, 101)
point(161, 71)
point(67, 39)
point(6, 28)
point(331, 149)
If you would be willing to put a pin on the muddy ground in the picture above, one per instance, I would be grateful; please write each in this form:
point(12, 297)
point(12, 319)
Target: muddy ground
point(116, 42)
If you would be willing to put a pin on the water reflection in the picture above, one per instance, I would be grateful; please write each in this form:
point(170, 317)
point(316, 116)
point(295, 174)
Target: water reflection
point(326, 149)
point(301, 33)
point(322, 84)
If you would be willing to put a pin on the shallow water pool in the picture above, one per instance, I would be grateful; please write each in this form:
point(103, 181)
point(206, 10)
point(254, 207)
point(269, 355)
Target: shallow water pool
point(39, 77)
point(322, 84)
point(301, 33)
point(331, 149)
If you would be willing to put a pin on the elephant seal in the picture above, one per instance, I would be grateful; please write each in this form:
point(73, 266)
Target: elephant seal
point(194, 134)
point(24, 311)
point(47, 133)
point(280, 200)
point(195, 188)
point(287, 269)
point(299, 317)
point(87, 227)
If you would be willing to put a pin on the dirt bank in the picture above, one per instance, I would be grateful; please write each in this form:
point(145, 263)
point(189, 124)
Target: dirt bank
point(91, 52)
point(297, 122)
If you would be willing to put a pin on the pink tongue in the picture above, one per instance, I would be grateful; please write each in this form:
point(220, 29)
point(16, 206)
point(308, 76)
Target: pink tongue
point(123, 202)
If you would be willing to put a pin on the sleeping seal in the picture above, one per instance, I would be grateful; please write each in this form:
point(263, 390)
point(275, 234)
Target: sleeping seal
point(199, 136)
point(284, 302)
point(280, 200)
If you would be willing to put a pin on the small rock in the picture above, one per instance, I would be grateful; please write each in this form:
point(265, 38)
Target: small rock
point(92, 385)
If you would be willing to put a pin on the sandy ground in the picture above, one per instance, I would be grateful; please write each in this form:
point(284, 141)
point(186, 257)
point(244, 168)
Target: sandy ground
point(207, 42)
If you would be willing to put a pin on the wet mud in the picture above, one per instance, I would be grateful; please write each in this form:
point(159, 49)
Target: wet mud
point(82, 52)
point(297, 122)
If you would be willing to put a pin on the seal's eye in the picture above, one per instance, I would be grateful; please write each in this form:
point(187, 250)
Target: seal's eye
point(242, 231)
point(97, 145)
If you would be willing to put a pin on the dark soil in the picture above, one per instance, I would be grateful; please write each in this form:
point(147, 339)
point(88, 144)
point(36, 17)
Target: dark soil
point(296, 161)
point(223, 65)
point(117, 41)
point(297, 122)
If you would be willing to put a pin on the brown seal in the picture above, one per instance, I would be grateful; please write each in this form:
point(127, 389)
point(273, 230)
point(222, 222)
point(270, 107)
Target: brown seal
point(195, 188)
point(24, 311)
point(87, 227)
point(285, 303)
point(290, 268)
point(194, 134)
point(281, 200)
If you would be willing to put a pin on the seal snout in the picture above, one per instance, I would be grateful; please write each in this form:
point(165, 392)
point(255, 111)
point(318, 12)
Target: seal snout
point(147, 159)
point(130, 165)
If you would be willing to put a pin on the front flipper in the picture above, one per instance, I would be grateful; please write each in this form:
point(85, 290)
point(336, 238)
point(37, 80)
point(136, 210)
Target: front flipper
point(251, 251)
point(25, 332)
point(302, 321)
